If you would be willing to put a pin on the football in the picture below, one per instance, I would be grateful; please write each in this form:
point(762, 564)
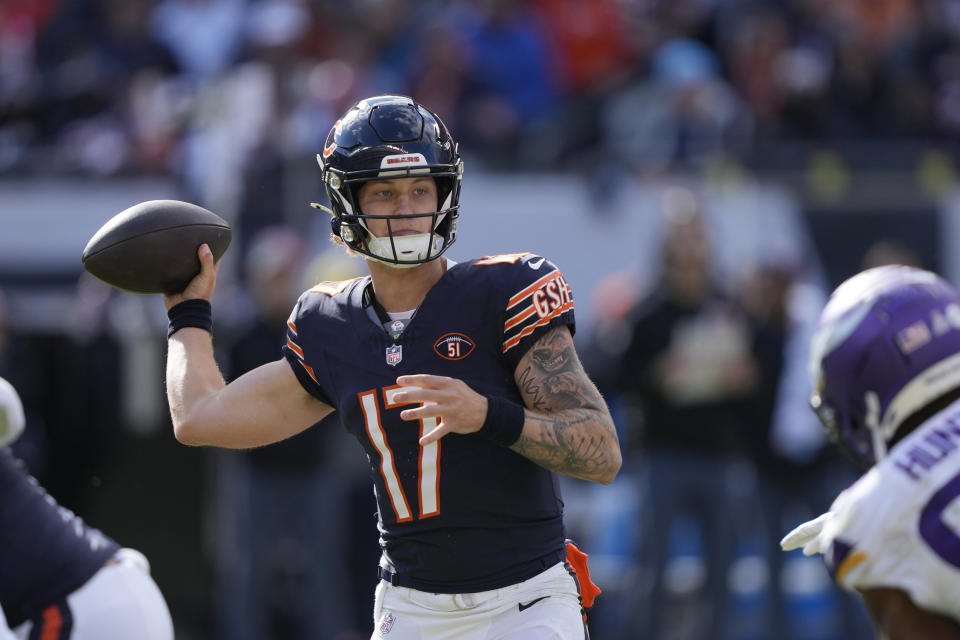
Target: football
point(152, 246)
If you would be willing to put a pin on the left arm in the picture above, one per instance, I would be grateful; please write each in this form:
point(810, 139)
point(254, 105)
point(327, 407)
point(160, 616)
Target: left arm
point(567, 426)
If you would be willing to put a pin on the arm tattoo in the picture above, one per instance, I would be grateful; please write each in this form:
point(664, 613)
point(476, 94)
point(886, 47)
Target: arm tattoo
point(569, 429)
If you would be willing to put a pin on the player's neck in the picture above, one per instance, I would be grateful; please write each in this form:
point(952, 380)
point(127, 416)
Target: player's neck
point(404, 289)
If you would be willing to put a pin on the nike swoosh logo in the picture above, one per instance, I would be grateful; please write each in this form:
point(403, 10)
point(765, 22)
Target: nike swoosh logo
point(536, 265)
point(531, 603)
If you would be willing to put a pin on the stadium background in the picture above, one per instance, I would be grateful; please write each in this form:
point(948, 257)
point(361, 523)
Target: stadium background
point(816, 135)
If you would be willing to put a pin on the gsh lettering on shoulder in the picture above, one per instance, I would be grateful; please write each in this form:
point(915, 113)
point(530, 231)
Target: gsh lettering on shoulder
point(551, 296)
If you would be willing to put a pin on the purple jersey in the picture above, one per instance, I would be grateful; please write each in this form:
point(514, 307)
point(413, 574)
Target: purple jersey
point(46, 551)
point(462, 514)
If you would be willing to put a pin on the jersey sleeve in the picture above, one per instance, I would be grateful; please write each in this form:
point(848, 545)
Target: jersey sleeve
point(298, 351)
point(873, 542)
point(536, 299)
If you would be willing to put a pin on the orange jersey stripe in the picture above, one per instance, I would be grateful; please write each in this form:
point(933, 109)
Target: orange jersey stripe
point(332, 288)
point(293, 346)
point(520, 317)
point(515, 340)
point(292, 326)
point(533, 287)
point(309, 371)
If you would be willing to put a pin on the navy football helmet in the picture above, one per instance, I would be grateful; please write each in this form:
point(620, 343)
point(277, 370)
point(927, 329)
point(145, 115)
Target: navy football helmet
point(887, 346)
point(391, 137)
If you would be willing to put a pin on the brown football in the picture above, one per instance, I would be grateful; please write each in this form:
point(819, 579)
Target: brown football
point(152, 246)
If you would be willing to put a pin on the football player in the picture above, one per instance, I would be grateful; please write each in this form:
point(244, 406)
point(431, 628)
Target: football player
point(459, 379)
point(886, 367)
point(61, 579)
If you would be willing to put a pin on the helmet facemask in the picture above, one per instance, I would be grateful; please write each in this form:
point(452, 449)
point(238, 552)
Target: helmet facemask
point(401, 251)
point(390, 137)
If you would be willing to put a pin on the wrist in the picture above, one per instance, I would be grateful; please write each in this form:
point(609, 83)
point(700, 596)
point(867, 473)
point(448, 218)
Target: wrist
point(195, 312)
point(504, 422)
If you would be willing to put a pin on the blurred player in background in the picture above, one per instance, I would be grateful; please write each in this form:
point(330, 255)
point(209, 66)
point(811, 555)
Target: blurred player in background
point(275, 575)
point(59, 578)
point(689, 372)
point(460, 380)
point(886, 366)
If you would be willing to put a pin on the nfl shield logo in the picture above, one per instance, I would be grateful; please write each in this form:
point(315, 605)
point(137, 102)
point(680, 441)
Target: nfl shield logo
point(394, 355)
point(386, 624)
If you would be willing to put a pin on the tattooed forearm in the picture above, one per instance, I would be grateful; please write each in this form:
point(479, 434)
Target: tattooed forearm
point(568, 427)
point(567, 443)
point(530, 390)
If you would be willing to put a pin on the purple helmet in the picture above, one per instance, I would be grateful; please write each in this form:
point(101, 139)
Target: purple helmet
point(886, 346)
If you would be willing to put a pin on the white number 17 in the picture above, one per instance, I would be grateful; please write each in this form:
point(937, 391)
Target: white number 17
point(428, 467)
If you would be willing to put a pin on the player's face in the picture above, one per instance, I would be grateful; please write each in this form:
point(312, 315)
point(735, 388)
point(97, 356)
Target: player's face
point(399, 196)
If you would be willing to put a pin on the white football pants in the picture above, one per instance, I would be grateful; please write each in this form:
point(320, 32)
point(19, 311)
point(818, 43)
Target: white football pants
point(120, 602)
point(551, 611)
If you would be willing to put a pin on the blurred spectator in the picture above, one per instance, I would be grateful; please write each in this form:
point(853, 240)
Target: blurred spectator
point(890, 252)
point(755, 46)
point(89, 55)
point(512, 94)
point(205, 36)
point(281, 572)
point(787, 443)
point(679, 117)
point(589, 40)
point(799, 474)
point(104, 87)
point(612, 301)
point(593, 56)
point(690, 370)
point(439, 71)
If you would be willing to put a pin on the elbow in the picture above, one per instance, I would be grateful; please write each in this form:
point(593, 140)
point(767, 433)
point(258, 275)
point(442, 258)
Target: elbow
point(611, 470)
point(610, 473)
point(187, 433)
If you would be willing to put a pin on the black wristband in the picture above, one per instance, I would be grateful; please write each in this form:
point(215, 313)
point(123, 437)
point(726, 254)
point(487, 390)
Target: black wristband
point(504, 422)
point(195, 312)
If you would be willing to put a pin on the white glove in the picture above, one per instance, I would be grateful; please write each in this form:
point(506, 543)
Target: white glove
point(12, 419)
point(807, 535)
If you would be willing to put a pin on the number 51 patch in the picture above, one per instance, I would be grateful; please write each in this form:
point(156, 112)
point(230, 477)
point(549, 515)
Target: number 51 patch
point(454, 346)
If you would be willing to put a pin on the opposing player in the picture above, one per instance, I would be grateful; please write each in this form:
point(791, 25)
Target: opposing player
point(886, 368)
point(60, 578)
point(460, 380)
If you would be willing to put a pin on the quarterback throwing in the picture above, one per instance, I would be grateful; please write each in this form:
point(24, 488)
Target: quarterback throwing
point(459, 379)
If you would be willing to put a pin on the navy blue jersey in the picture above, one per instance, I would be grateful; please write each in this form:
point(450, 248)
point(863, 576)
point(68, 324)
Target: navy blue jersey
point(46, 551)
point(462, 514)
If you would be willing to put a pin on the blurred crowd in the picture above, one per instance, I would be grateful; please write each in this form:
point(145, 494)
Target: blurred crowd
point(706, 376)
point(207, 88)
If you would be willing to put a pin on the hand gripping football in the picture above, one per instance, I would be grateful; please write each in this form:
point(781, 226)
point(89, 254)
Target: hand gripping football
point(152, 246)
